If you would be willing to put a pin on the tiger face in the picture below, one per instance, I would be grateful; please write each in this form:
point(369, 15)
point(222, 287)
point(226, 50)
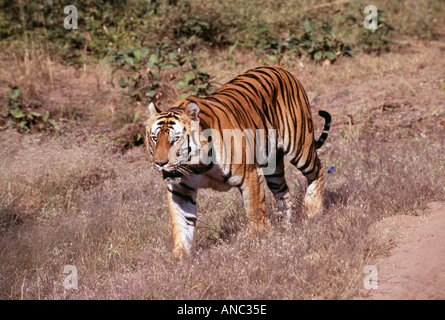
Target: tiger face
point(168, 136)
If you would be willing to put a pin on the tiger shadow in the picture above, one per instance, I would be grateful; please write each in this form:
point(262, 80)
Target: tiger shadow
point(335, 198)
point(231, 224)
point(235, 220)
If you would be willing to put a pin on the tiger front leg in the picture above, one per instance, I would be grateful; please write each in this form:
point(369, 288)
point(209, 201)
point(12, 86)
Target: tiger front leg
point(182, 206)
point(254, 200)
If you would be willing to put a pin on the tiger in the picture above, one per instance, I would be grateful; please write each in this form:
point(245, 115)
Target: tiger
point(266, 98)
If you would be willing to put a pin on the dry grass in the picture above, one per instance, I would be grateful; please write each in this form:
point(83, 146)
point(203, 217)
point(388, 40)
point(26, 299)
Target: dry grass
point(108, 217)
point(69, 199)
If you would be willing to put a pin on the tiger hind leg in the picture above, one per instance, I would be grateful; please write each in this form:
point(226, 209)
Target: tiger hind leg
point(254, 200)
point(313, 199)
point(278, 186)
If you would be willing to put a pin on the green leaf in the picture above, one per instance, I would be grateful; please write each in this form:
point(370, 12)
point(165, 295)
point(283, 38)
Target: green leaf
point(347, 34)
point(201, 86)
point(152, 60)
point(307, 43)
point(182, 84)
point(165, 44)
point(167, 66)
point(46, 116)
point(109, 59)
point(330, 55)
point(155, 73)
point(308, 26)
point(35, 114)
point(17, 114)
point(123, 83)
point(136, 116)
point(23, 126)
point(144, 52)
point(189, 76)
point(272, 58)
point(326, 28)
point(15, 94)
point(129, 60)
point(137, 54)
point(232, 47)
point(54, 124)
point(97, 137)
point(317, 55)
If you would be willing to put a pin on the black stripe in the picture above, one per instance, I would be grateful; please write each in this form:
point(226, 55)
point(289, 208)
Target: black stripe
point(274, 186)
point(191, 221)
point(311, 171)
point(186, 186)
point(326, 128)
point(212, 117)
point(252, 76)
point(275, 175)
point(309, 159)
point(301, 136)
point(251, 87)
point(283, 188)
point(290, 109)
point(182, 196)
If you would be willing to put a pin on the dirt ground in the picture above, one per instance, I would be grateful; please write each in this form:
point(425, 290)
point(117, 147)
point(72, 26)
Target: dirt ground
point(414, 269)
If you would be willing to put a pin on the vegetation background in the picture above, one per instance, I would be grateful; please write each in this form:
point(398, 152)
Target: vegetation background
point(77, 187)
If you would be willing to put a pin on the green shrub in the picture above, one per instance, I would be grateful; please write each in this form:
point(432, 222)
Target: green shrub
point(24, 114)
point(271, 28)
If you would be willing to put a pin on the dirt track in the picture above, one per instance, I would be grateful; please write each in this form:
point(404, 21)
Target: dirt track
point(415, 268)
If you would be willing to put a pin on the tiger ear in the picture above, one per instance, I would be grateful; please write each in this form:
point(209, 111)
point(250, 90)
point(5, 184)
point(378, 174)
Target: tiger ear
point(153, 110)
point(192, 110)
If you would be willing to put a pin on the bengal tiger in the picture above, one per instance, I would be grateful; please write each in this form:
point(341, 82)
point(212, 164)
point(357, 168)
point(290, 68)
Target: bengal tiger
point(265, 98)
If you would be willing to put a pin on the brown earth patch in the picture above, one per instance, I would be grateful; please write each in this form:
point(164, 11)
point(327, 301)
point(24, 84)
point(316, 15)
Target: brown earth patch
point(415, 268)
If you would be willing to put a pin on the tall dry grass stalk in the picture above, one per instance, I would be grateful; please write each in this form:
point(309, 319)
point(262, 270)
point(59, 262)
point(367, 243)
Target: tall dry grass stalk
point(33, 66)
point(33, 70)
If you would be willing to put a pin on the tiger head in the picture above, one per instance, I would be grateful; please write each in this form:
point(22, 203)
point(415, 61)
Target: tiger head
point(170, 139)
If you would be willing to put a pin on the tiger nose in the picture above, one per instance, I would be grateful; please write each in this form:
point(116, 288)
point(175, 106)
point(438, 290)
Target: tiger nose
point(161, 163)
